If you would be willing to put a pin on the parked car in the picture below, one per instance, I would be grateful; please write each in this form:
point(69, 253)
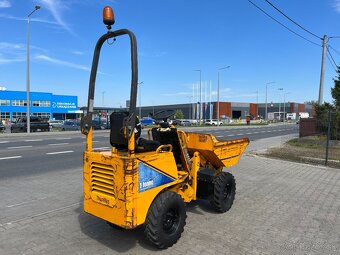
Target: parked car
point(56, 123)
point(70, 126)
point(2, 128)
point(147, 121)
point(184, 123)
point(213, 122)
point(99, 124)
point(181, 122)
point(36, 124)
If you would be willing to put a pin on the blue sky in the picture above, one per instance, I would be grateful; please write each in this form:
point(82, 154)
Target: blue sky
point(174, 38)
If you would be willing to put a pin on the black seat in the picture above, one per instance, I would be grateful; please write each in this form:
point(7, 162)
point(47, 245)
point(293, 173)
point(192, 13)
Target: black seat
point(145, 145)
point(117, 138)
point(169, 136)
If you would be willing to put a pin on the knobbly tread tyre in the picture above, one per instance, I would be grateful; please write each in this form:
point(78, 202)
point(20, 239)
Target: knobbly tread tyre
point(219, 202)
point(154, 224)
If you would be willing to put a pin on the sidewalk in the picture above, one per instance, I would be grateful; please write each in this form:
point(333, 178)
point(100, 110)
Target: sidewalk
point(280, 208)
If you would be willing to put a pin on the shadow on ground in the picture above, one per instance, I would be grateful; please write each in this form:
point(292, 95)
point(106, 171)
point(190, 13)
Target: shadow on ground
point(115, 238)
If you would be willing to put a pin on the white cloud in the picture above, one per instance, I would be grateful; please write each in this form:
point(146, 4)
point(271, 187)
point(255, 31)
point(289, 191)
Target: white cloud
point(64, 63)
point(337, 5)
point(5, 4)
point(77, 52)
point(12, 52)
point(2, 15)
point(56, 7)
point(61, 62)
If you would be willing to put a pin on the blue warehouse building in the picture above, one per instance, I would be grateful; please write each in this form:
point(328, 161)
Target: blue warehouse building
point(13, 105)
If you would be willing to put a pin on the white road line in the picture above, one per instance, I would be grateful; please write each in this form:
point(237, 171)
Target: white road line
point(20, 147)
point(218, 136)
point(59, 152)
point(249, 133)
point(54, 144)
point(40, 214)
point(240, 134)
point(26, 202)
point(230, 135)
point(13, 157)
point(102, 148)
point(34, 140)
point(64, 138)
point(4, 142)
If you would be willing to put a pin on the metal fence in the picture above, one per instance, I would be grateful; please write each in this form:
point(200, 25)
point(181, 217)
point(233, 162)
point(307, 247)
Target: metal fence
point(322, 134)
point(318, 142)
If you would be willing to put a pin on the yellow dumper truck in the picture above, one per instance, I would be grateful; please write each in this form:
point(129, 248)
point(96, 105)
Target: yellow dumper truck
point(147, 181)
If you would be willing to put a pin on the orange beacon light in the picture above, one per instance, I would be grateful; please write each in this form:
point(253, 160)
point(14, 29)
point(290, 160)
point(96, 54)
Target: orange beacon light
point(108, 16)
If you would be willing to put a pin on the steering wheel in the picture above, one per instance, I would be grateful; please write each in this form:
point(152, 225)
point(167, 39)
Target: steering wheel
point(164, 115)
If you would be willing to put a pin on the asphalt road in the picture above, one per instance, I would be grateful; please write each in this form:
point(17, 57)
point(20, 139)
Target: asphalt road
point(26, 155)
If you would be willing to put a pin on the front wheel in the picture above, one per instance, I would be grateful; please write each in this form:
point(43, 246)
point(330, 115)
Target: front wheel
point(224, 192)
point(165, 220)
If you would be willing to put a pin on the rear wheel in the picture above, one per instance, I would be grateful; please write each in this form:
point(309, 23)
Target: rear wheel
point(165, 220)
point(224, 192)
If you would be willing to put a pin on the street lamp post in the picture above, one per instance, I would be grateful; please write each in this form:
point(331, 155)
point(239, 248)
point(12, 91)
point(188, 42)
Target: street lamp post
point(200, 101)
point(266, 117)
point(281, 89)
point(284, 106)
point(218, 92)
point(28, 120)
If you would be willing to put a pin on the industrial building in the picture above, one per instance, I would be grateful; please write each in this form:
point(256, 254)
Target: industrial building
point(228, 110)
point(232, 110)
point(13, 105)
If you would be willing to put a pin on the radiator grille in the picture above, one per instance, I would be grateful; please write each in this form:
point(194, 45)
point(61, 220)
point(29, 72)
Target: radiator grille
point(102, 179)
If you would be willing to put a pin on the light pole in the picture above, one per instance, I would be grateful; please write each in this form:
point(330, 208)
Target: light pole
point(284, 106)
point(218, 92)
point(200, 101)
point(266, 117)
point(281, 89)
point(140, 99)
point(28, 120)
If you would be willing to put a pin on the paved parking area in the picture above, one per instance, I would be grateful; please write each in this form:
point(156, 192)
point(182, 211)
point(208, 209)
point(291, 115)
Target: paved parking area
point(280, 208)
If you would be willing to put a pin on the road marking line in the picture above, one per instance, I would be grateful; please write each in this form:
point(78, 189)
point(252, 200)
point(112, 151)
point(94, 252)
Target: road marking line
point(34, 140)
point(64, 138)
point(13, 157)
point(26, 202)
point(240, 134)
point(59, 152)
point(219, 136)
point(53, 144)
point(249, 133)
point(20, 147)
point(102, 148)
point(40, 214)
point(230, 135)
point(4, 142)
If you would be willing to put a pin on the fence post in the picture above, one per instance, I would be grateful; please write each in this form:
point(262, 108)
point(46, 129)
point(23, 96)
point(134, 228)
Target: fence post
point(328, 135)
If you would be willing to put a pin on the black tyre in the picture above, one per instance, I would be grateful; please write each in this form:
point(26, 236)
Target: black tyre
point(165, 220)
point(224, 192)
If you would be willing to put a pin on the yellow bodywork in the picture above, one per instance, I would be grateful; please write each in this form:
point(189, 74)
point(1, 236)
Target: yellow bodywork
point(114, 191)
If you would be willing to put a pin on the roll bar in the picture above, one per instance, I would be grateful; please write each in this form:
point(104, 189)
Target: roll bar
point(86, 124)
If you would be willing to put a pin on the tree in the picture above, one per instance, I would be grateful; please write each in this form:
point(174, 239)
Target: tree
point(336, 90)
point(179, 114)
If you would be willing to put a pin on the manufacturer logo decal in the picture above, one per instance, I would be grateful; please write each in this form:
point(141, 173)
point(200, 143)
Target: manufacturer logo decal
point(149, 178)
